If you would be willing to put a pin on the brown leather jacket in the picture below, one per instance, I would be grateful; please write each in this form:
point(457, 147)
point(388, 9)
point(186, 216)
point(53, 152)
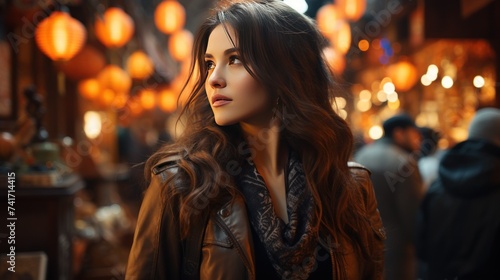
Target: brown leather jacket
point(227, 248)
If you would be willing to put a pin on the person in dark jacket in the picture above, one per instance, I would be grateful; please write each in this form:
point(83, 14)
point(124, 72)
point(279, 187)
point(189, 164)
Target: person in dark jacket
point(259, 185)
point(459, 220)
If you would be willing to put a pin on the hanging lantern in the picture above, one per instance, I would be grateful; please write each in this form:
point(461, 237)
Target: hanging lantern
point(85, 64)
point(180, 45)
point(89, 88)
point(170, 16)
point(403, 75)
point(114, 78)
point(115, 28)
point(167, 100)
point(341, 37)
point(352, 10)
point(326, 18)
point(139, 65)
point(60, 36)
point(147, 98)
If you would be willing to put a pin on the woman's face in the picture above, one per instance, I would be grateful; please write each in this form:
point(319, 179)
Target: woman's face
point(234, 95)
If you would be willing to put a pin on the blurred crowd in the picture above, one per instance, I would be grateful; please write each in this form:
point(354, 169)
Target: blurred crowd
point(439, 207)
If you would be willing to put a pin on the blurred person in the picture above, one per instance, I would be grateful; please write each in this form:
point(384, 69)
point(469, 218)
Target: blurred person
point(259, 185)
point(398, 185)
point(459, 221)
point(430, 155)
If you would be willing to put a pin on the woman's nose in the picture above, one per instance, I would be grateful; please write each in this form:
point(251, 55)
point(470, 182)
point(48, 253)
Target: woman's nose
point(216, 79)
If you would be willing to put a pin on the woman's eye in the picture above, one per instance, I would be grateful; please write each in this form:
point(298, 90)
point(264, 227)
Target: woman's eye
point(234, 60)
point(209, 64)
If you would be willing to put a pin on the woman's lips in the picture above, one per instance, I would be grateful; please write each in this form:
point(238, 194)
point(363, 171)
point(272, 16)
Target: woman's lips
point(220, 100)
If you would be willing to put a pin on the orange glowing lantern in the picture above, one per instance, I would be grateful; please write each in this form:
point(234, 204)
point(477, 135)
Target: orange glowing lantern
point(170, 16)
point(114, 78)
point(147, 97)
point(352, 10)
point(139, 65)
point(60, 36)
point(167, 100)
point(180, 45)
point(327, 18)
point(403, 75)
point(89, 88)
point(115, 28)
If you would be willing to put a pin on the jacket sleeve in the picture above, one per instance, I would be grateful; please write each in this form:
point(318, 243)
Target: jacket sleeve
point(156, 249)
point(362, 176)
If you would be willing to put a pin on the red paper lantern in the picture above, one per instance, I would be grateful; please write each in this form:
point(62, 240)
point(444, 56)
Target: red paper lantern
point(139, 65)
point(180, 45)
point(114, 78)
point(170, 16)
point(115, 29)
point(60, 36)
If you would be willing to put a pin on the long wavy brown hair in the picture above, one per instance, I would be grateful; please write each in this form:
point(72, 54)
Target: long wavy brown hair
point(281, 49)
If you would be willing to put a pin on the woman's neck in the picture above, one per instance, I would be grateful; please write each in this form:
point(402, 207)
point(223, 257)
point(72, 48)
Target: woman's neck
point(269, 154)
point(268, 151)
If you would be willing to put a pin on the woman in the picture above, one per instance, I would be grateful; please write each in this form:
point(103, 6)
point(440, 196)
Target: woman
point(258, 186)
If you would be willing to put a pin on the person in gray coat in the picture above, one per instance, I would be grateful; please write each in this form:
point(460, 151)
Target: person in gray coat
point(399, 189)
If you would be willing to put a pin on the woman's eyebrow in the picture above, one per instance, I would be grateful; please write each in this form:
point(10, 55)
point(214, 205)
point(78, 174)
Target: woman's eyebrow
point(226, 52)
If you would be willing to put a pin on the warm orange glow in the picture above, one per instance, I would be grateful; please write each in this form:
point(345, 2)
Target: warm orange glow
point(170, 16)
point(167, 100)
point(60, 36)
point(180, 45)
point(107, 96)
point(134, 107)
point(89, 88)
point(352, 10)
point(115, 28)
point(403, 75)
point(336, 61)
point(147, 97)
point(114, 78)
point(341, 37)
point(180, 80)
point(120, 100)
point(87, 63)
point(139, 65)
point(363, 45)
point(327, 18)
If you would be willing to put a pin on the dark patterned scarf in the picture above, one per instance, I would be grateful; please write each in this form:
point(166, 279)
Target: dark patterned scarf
point(290, 247)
